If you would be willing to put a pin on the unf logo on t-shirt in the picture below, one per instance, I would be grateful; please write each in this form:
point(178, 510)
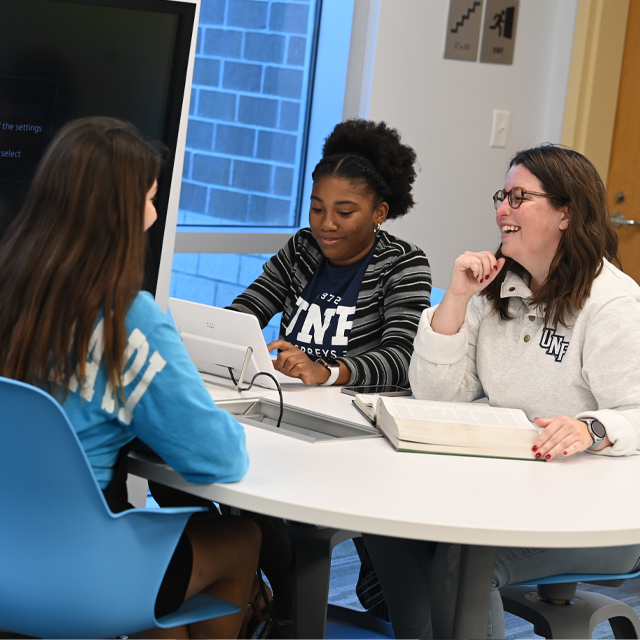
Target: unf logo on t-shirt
point(323, 317)
point(312, 337)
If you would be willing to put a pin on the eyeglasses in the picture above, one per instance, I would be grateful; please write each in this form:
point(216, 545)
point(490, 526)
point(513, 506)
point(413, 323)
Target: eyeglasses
point(515, 195)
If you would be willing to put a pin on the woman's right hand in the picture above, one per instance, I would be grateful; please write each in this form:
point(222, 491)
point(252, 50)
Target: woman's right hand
point(472, 272)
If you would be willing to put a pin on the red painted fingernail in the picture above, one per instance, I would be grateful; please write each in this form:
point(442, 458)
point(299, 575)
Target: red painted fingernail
point(486, 277)
point(564, 453)
point(495, 267)
point(547, 457)
point(538, 455)
point(534, 448)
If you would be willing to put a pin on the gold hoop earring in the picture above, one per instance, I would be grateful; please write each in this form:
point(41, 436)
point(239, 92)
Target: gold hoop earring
point(377, 228)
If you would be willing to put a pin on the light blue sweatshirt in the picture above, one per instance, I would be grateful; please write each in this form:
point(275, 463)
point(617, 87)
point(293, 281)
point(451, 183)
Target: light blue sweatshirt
point(167, 405)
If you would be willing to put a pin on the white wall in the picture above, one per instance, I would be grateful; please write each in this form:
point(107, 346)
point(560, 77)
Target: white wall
point(444, 109)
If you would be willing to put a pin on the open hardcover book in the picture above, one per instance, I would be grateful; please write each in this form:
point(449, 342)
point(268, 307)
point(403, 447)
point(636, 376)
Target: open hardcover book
point(366, 404)
point(455, 428)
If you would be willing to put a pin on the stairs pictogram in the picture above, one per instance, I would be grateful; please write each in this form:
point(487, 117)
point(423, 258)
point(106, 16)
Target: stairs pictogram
point(466, 16)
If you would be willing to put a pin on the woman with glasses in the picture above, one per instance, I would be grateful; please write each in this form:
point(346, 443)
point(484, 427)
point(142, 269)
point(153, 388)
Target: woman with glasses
point(548, 325)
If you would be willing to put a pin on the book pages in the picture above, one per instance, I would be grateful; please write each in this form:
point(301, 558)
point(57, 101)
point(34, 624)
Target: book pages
point(367, 405)
point(456, 412)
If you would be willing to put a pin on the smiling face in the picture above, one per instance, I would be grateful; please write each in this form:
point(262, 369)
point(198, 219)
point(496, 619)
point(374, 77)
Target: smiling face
point(531, 233)
point(342, 218)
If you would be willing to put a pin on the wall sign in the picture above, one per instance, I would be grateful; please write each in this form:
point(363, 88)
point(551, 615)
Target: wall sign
point(463, 29)
point(499, 32)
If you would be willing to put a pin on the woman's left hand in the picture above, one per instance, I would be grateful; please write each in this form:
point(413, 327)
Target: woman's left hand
point(561, 436)
point(297, 364)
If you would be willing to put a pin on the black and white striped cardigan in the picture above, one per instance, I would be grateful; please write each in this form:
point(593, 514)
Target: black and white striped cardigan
point(395, 290)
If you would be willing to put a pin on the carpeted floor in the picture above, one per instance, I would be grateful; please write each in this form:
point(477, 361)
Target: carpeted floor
point(344, 574)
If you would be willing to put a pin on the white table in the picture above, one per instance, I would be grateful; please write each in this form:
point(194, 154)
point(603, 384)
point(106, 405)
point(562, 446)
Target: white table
point(482, 503)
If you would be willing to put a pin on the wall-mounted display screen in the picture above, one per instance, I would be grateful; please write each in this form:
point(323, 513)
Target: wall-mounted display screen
point(66, 59)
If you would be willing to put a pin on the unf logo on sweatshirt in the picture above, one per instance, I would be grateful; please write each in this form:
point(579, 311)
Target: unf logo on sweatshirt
point(554, 344)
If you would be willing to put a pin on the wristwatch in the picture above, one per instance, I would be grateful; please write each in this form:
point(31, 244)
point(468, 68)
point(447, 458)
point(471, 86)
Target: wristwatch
point(334, 370)
point(596, 430)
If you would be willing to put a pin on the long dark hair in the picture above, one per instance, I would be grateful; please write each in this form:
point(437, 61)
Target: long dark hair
point(371, 154)
point(571, 180)
point(75, 250)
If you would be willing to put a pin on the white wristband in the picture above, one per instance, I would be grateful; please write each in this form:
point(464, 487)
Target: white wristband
point(333, 376)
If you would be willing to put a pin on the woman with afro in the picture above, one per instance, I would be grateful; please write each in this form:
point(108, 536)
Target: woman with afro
point(351, 295)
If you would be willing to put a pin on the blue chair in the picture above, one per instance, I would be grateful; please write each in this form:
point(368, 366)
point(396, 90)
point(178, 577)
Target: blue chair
point(69, 567)
point(557, 610)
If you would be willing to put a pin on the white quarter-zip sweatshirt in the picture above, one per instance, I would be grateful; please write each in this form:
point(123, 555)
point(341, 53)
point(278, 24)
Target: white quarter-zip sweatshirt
point(589, 369)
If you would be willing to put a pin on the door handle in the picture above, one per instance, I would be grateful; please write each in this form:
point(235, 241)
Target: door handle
point(618, 220)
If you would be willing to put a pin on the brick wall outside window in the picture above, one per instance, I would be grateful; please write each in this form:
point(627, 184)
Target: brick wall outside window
point(245, 136)
point(247, 115)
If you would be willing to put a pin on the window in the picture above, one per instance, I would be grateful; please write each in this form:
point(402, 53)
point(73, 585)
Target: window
point(249, 112)
point(269, 83)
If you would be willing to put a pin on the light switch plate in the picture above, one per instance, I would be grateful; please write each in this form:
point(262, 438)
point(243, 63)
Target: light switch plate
point(500, 128)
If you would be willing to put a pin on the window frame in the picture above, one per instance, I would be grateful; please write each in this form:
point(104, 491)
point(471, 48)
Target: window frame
point(346, 40)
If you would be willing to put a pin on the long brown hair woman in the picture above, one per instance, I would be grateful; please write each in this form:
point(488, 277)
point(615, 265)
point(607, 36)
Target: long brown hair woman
point(73, 321)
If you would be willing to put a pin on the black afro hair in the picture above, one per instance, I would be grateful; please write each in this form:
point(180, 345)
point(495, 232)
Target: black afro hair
point(363, 151)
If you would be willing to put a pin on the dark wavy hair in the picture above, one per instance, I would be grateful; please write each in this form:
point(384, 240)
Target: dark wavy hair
point(371, 154)
point(75, 250)
point(571, 180)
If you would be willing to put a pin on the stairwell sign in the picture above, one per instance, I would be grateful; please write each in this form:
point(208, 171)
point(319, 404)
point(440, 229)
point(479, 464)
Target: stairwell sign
point(463, 29)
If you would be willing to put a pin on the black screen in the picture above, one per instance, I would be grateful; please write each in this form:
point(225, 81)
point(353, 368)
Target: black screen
point(66, 59)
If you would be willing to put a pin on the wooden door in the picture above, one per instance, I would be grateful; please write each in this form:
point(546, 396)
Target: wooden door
point(623, 183)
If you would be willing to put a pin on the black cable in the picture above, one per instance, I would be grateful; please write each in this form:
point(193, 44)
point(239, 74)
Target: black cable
point(270, 375)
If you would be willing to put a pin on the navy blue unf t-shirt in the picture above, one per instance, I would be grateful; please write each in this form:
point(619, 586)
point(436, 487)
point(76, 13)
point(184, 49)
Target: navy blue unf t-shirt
point(323, 316)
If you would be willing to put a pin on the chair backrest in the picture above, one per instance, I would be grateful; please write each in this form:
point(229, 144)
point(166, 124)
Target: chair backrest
point(68, 566)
